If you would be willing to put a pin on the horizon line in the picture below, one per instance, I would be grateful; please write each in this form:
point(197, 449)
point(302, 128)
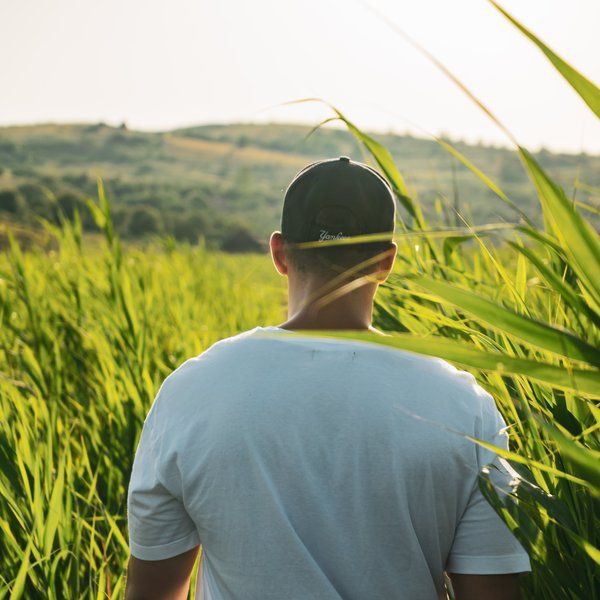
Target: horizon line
point(118, 124)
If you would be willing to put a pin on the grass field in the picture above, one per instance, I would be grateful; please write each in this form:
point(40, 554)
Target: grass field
point(86, 339)
point(88, 333)
point(87, 336)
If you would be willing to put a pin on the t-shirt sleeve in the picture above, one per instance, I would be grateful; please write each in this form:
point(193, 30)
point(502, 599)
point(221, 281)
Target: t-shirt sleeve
point(483, 544)
point(159, 526)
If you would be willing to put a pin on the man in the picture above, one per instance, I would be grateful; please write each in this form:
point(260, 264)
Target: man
point(319, 468)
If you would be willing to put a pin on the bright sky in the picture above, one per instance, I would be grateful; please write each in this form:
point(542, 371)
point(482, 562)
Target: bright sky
point(161, 64)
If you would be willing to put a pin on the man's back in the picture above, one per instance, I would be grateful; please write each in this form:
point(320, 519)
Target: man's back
point(313, 468)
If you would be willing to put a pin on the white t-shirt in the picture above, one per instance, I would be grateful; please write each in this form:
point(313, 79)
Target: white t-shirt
point(319, 469)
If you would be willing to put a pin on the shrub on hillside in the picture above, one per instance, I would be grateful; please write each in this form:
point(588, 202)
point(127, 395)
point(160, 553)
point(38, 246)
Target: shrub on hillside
point(11, 201)
point(240, 239)
point(38, 198)
point(144, 220)
point(67, 204)
point(189, 227)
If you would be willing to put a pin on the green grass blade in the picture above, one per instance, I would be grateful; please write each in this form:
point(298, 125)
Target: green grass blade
point(589, 92)
point(19, 583)
point(55, 509)
point(543, 238)
point(385, 161)
point(591, 551)
point(544, 336)
point(515, 457)
point(582, 381)
point(482, 177)
point(577, 238)
point(572, 298)
point(584, 461)
point(445, 70)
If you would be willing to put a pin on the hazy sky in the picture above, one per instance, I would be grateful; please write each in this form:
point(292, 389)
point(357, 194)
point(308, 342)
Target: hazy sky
point(160, 64)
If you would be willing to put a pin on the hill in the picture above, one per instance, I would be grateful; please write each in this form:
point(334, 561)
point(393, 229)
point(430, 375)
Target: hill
point(226, 182)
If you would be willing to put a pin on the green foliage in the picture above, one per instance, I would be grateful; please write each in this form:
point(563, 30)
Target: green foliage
point(586, 89)
point(240, 239)
point(67, 205)
point(190, 228)
point(40, 201)
point(11, 201)
point(87, 334)
point(217, 172)
point(144, 220)
point(524, 318)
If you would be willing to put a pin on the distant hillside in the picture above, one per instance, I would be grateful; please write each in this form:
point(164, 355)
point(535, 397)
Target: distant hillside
point(226, 182)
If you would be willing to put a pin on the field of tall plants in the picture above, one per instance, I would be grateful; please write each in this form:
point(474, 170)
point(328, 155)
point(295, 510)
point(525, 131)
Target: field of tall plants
point(88, 332)
point(86, 337)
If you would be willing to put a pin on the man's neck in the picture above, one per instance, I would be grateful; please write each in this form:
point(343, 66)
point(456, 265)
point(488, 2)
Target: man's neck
point(304, 322)
point(353, 310)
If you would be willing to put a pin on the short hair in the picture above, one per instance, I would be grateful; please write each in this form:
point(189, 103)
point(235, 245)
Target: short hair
point(335, 259)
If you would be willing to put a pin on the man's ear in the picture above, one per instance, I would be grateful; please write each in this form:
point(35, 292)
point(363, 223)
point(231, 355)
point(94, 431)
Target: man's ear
point(386, 264)
point(276, 244)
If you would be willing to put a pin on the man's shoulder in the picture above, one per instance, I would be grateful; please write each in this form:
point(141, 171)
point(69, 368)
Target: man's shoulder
point(424, 372)
point(435, 380)
point(195, 363)
point(185, 381)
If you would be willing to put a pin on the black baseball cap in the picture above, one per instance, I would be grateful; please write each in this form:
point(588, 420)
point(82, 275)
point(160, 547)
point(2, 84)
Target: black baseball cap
point(337, 198)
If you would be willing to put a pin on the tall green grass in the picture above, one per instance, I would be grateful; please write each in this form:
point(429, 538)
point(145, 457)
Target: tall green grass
point(87, 335)
point(524, 316)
